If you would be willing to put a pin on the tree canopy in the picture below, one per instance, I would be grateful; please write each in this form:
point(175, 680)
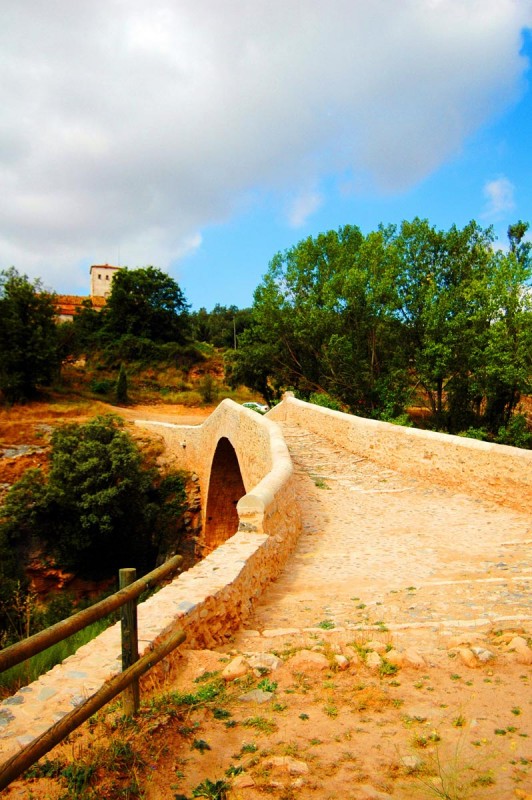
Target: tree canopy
point(99, 503)
point(366, 318)
point(222, 326)
point(29, 355)
point(146, 303)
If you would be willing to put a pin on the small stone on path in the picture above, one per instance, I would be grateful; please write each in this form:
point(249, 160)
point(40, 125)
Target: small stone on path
point(256, 696)
point(413, 658)
point(468, 657)
point(376, 646)
point(243, 781)
point(292, 766)
point(237, 668)
point(264, 661)
point(308, 660)
point(412, 763)
point(373, 660)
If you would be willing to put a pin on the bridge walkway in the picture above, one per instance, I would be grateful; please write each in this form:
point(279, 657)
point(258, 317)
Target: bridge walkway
point(381, 550)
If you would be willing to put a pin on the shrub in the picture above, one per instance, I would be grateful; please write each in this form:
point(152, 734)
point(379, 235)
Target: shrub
point(475, 433)
point(98, 506)
point(101, 385)
point(325, 400)
point(208, 389)
point(516, 433)
point(121, 386)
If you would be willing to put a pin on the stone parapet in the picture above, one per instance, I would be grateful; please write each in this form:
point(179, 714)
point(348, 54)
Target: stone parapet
point(490, 471)
point(208, 601)
point(263, 458)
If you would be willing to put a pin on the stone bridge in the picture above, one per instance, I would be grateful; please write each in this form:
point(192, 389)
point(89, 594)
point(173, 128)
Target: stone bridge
point(255, 511)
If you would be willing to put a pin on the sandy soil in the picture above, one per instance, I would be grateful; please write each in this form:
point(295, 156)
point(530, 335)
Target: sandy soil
point(30, 426)
point(385, 565)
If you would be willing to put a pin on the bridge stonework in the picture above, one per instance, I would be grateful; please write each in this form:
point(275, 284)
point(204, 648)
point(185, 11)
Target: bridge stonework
point(250, 537)
point(208, 601)
point(489, 471)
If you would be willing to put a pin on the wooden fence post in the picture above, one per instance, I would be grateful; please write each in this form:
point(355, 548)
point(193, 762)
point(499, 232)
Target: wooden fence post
point(130, 643)
point(16, 765)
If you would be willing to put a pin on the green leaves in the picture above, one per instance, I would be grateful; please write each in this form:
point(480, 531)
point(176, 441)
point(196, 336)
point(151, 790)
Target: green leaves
point(146, 303)
point(29, 353)
point(365, 318)
point(99, 505)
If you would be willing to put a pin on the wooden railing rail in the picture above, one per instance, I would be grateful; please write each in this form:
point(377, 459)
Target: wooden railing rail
point(20, 762)
point(20, 651)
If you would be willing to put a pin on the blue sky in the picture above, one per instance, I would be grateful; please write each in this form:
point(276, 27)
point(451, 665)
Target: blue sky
point(203, 137)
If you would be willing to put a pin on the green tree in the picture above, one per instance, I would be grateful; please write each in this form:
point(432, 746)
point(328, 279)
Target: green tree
point(98, 507)
point(442, 283)
point(504, 364)
point(521, 249)
point(222, 326)
point(364, 318)
point(121, 386)
point(323, 322)
point(148, 304)
point(87, 326)
point(29, 354)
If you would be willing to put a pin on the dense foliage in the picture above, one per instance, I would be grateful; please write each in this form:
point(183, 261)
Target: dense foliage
point(221, 327)
point(29, 355)
point(145, 311)
point(148, 304)
point(365, 319)
point(98, 509)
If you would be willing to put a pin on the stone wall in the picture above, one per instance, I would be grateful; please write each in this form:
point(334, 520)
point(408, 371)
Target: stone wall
point(263, 457)
point(491, 471)
point(208, 601)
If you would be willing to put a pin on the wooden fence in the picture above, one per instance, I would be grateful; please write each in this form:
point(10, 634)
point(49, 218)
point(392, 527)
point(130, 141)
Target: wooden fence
point(126, 681)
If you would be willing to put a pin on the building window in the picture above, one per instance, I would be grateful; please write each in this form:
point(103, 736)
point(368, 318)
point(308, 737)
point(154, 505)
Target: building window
point(99, 277)
point(107, 277)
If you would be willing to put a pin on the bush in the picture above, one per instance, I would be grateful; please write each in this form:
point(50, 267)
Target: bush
point(121, 386)
point(402, 419)
point(325, 400)
point(98, 507)
point(516, 433)
point(208, 389)
point(101, 385)
point(481, 434)
point(130, 348)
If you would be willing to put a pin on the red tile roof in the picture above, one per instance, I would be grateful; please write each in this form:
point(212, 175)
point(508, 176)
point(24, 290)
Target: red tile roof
point(68, 304)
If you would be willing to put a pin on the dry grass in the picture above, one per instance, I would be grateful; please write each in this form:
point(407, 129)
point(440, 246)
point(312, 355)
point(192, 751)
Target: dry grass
point(197, 732)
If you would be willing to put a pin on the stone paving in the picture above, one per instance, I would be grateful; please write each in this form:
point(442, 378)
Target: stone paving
point(384, 551)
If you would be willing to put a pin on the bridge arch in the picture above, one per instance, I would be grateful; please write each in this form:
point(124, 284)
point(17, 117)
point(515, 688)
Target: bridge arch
point(226, 487)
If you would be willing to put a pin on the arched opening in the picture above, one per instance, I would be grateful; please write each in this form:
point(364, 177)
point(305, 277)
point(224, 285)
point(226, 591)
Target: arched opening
point(226, 487)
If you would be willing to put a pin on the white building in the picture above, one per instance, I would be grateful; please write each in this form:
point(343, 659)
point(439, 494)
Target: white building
point(101, 279)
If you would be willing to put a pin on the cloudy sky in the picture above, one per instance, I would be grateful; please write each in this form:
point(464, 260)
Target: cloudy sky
point(202, 136)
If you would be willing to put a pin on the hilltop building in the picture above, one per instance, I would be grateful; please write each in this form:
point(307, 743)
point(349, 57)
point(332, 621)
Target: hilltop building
point(101, 279)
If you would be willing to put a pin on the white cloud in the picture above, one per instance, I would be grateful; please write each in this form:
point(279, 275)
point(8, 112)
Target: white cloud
point(302, 207)
point(499, 194)
point(133, 126)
